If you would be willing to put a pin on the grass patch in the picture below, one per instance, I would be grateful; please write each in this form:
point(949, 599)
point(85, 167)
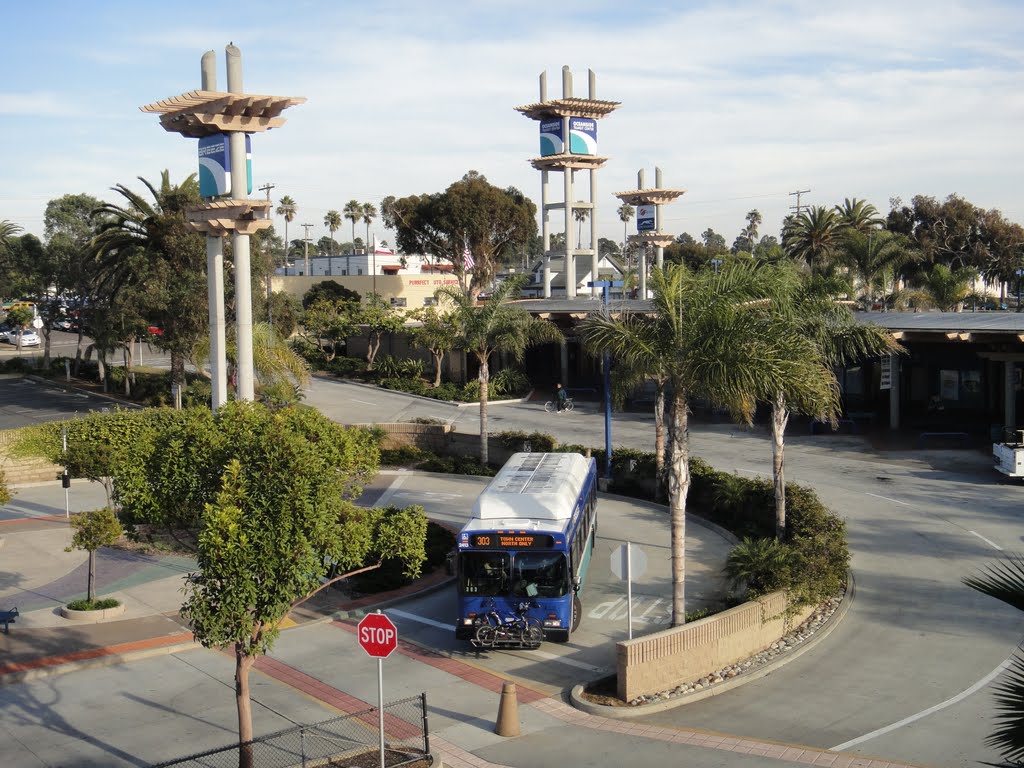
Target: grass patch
point(93, 605)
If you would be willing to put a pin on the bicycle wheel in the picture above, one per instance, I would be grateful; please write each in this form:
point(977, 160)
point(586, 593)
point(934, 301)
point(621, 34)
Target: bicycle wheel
point(549, 406)
point(485, 635)
point(568, 405)
point(533, 636)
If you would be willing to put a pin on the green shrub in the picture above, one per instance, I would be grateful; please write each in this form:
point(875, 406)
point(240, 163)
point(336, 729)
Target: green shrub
point(446, 391)
point(470, 391)
point(404, 456)
point(351, 367)
point(84, 604)
point(759, 565)
point(5, 491)
point(390, 575)
point(817, 537)
point(456, 465)
point(540, 442)
point(509, 381)
point(413, 386)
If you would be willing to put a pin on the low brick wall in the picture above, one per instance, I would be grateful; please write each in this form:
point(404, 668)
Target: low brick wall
point(441, 439)
point(665, 659)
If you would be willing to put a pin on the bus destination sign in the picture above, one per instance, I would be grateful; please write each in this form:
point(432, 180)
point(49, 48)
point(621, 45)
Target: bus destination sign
point(511, 540)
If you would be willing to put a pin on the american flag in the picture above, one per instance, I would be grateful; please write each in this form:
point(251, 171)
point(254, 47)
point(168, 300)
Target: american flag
point(467, 259)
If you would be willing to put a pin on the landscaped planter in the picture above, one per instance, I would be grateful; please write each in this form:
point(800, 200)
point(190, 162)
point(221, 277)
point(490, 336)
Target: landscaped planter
point(99, 615)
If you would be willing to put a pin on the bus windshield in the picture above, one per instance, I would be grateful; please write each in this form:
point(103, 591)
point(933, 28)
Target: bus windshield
point(539, 574)
point(484, 573)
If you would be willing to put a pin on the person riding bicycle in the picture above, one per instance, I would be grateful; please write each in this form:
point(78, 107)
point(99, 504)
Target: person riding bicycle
point(560, 397)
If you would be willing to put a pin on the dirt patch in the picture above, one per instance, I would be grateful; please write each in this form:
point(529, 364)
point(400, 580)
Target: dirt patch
point(603, 691)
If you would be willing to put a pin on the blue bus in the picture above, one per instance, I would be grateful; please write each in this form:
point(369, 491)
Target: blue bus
point(531, 536)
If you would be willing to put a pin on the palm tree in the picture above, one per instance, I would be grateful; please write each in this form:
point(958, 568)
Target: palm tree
point(274, 361)
point(626, 212)
point(581, 215)
point(859, 215)
point(872, 257)
point(812, 237)
point(809, 309)
point(710, 340)
point(353, 211)
point(150, 244)
point(947, 289)
point(369, 213)
point(8, 229)
point(289, 210)
point(333, 223)
point(1004, 581)
point(496, 326)
point(749, 232)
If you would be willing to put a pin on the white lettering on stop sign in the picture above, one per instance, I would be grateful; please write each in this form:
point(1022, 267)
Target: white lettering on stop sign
point(377, 635)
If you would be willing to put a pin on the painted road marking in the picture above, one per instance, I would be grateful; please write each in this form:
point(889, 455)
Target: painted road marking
point(913, 718)
point(533, 653)
point(385, 498)
point(361, 402)
point(987, 541)
point(886, 498)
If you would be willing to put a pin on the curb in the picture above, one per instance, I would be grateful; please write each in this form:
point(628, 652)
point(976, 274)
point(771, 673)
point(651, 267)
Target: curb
point(626, 713)
point(453, 404)
point(69, 387)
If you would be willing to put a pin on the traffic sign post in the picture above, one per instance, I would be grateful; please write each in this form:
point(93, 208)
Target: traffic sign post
point(378, 636)
point(626, 562)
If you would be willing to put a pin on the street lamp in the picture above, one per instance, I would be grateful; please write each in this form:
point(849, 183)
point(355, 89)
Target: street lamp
point(1020, 273)
point(716, 262)
point(604, 285)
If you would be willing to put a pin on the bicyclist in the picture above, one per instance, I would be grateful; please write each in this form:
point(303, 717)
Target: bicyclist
point(560, 397)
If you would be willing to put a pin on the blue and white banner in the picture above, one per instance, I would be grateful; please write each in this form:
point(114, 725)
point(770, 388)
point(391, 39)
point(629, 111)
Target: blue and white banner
point(645, 218)
point(551, 140)
point(215, 165)
point(582, 136)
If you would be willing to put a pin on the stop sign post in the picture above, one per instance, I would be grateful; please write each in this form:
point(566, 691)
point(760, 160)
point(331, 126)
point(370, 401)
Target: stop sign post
point(378, 636)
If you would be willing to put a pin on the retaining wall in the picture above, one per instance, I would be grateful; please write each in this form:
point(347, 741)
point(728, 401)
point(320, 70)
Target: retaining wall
point(667, 658)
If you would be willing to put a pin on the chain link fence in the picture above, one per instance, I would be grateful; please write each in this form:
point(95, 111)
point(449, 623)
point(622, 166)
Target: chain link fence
point(350, 741)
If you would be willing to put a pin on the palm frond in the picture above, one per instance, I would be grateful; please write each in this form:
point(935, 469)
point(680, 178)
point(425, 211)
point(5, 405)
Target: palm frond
point(1003, 580)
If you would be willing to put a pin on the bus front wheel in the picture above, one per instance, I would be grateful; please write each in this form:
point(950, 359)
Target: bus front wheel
point(577, 613)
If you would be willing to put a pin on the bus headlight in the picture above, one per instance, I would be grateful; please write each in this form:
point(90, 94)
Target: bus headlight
point(467, 622)
point(552, 622)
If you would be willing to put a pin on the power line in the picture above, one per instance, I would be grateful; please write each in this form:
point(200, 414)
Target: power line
point(798, 207)
point(305, 246)
point(266, 188)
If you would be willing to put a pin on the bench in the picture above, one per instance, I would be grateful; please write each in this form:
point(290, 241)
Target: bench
point(962, 436)
point(7, 617)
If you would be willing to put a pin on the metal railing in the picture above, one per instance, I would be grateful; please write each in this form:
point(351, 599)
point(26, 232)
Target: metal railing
point(331, 742)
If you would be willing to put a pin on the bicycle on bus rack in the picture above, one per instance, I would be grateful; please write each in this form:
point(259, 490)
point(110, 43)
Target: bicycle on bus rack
point(514, 631)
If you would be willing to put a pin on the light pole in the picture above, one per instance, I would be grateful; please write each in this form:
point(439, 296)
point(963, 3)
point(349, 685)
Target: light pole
point(1020, 273)
point(715, 263)
point(604, 285)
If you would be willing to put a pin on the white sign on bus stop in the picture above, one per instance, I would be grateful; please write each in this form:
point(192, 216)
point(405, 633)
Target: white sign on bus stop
point(628, 561)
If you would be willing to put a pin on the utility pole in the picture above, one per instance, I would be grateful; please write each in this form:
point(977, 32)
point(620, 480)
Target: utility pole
point(268, 256)
point(798, 207)
point(305, 246)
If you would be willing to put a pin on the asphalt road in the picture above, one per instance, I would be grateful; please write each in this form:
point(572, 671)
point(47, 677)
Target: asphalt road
point(906, 676)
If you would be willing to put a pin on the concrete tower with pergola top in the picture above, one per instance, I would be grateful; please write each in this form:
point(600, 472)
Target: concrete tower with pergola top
point(207, 113)
point(652, 235)
point(568, 144)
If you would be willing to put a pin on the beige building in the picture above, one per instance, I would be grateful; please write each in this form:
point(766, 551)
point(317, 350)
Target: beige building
point(408, 291)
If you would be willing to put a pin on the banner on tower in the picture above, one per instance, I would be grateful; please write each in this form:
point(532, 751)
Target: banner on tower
point(645, 218)
point(215, 165)
point(582, 136)
point(551, 140)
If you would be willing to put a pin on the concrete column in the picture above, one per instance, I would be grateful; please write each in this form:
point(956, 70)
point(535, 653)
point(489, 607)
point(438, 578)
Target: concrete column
point(641, 266)
point(594, 291)
point(1010, 395)
point(894, 392)
point(545, 214)
point(563, 362)
point(570, 257)
point(243, 281)
point(215, 279)
point(659, 257)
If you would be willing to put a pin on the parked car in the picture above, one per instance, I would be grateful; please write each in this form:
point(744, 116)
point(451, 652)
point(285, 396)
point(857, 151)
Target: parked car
point(29, 338)
point(5, 329)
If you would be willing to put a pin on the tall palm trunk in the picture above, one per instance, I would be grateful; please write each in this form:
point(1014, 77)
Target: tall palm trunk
point(485, 377)
point(243, 664)
point(659, 442)
point(438, 361)
point(678, 487)
point(780, 417)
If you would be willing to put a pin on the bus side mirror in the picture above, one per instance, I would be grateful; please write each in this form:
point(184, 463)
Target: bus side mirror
point(576, 584)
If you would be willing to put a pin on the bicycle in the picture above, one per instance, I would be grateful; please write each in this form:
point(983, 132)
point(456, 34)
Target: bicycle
point(551, 406)
point(517, 630)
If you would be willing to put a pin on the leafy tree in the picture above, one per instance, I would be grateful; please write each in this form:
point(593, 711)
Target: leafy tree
point(1004, 580)
point(713, 241)
point(435, 334)
point(332, 220)
point(99, 528)
point(946, 233)
point(379, 319)
point(289, 210)
point(332, 322)
point(711, 341)
point(813, 237)
point(495, 224)
point(331, 290)
point(496, 326)
point(353, 211)
point(608, 247)
point(1004, 247)
point(946, 289)
point(873, 258)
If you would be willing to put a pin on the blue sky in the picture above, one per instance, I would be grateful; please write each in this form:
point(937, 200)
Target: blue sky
point(739, 103)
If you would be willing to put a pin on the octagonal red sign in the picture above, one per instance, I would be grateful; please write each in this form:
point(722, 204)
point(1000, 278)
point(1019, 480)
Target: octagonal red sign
point(377, 635)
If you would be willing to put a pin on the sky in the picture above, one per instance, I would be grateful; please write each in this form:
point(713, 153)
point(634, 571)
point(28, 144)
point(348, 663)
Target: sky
point(739, 103)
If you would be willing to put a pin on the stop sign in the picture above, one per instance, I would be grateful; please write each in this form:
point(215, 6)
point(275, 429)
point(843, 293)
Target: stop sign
point(377, 635)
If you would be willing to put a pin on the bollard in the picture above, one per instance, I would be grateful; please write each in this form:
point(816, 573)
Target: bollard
point(508, 711)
